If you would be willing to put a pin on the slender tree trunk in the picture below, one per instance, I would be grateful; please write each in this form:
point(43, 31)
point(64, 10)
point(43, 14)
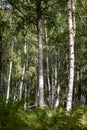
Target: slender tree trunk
point(24, 77)
point(15, 97)
point(56, 69)
point(40, 55)
point(77, 89)
point(58, 92)
point(37, 97)
point(73, 17)
point(37, 93)
point(25, 93)
point(47, 62)
point(71, 42)
point(57, 83)
point(53, 87)
point(74, 31)
point(21, 84)
point(0, 63)
point(9, 76)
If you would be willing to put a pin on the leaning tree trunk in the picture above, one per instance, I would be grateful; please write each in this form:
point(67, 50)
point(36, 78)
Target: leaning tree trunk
point(71, 43)
point(40, 55)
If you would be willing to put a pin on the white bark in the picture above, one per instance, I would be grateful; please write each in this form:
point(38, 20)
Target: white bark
point(37, 95)
point(40, 62)
point(53, 87)
point(73, 17)
point(56, 70)
point(21, 84)
point(57, 100)
point(25, 79)
point(57, 84)
point(24, 70)
point(71, 42)
point(15, 96)
point(9, 76)
point(1, 63)
point(47, 62)
point(40, 55)
point(25, 93)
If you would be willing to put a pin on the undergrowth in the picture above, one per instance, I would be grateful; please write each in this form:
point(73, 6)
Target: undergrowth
point(13, 117)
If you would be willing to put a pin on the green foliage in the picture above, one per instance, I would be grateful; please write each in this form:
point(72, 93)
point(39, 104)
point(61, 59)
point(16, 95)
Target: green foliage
point(7, 114)
point(23, 14)
point(13, 117)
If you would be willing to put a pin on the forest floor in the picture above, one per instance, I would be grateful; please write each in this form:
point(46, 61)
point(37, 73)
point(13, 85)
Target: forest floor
point(13, 117)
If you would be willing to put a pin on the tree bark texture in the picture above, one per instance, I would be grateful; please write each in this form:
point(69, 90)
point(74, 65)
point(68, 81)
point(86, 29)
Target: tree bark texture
point(9, 76)
point(0, 63)
point(40, 55)
point(71, 44)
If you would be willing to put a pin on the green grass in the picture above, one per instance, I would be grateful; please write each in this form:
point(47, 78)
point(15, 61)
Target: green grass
point(13, 117)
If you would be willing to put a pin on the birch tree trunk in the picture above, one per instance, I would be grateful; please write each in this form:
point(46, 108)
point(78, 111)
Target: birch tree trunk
point(37, 95)
point(53, 87)
point(71, 43)
point(21, 84)
point(24, 77)
point(25, 92)
point(0, 63)
point(57, 83)
point(9, 76)
point(47, 63)
point(40, 55)
point(73, 17)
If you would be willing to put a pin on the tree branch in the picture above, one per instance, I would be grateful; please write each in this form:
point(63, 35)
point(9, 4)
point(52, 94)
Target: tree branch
point(51, 5)
point(27, 17)
point(82, 21)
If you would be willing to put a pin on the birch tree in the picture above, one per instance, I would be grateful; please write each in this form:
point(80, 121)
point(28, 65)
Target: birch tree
point(57, 83)
point(24, 70)
point(9, 75)
point(40, 54)
point(1, 46)
point(47, 65)
point(71, 25)
point(0, 62)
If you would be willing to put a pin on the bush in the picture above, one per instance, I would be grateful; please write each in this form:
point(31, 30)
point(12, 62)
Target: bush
point(13, 117)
